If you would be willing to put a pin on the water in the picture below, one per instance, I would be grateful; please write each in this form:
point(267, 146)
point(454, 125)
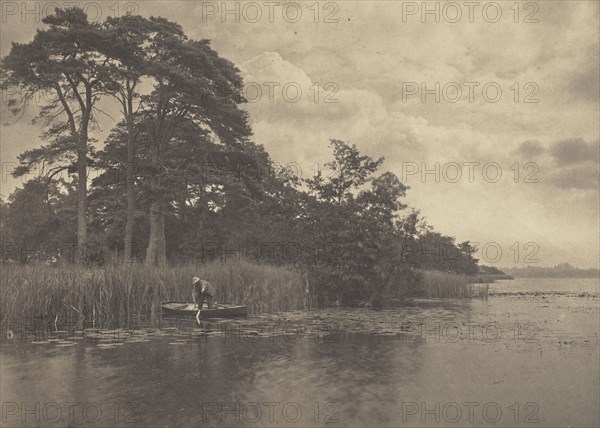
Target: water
point(513, 360)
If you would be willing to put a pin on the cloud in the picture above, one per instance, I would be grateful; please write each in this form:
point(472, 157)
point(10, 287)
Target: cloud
point(585, 83)
point(271, 67)
point(530, 149)
point(575, 164)
point(581, 176)
point(575, 150)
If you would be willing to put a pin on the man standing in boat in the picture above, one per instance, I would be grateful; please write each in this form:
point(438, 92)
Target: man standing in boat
point(202, 290)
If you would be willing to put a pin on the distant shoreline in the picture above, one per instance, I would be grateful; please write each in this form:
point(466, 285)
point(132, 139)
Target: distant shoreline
point(564, 270)
point(597, 276)
point(554, 275)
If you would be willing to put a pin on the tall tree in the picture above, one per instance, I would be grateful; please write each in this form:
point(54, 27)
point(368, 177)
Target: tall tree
point(128, 37)
point(193, 89)
point(66, 63)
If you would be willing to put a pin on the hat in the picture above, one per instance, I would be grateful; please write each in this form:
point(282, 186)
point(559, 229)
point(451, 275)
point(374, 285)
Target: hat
point(195, 280)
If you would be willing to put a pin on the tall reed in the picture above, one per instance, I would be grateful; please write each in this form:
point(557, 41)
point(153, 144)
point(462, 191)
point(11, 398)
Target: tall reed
point(436, 284)
point(123, 292)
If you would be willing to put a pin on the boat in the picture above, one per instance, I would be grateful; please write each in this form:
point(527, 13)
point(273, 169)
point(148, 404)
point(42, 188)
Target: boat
point(219, 310)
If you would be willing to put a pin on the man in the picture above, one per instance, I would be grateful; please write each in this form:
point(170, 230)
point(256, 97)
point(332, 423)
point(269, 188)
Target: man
point(202, 290)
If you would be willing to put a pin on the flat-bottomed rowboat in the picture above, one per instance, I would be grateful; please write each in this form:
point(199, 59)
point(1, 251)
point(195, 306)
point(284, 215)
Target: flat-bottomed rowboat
point(219, 310)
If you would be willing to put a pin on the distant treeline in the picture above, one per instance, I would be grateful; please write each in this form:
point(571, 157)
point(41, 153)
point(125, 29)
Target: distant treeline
point(563, 270)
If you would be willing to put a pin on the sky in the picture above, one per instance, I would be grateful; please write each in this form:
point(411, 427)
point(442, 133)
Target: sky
point(489, 112)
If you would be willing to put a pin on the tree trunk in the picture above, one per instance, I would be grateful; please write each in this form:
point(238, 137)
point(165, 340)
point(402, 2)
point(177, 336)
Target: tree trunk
point(81, 205)
point(156, 254)
point(82, 151)
point(129, 220)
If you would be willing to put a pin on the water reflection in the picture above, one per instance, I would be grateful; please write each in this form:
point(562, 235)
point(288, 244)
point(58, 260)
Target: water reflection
point(335, 367)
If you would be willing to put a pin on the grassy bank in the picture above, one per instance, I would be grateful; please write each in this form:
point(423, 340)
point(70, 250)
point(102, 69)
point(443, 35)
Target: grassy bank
point(436, 284)
point(120, 293)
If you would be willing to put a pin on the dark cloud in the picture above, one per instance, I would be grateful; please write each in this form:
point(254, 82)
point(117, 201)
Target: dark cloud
point(530, 149)
point(575, 150)
point(577, 164)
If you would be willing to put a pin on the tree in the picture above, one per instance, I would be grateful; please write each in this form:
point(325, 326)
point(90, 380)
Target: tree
point(109, 196)
point(436, 251)
point(382, 200)
point(468, 263)
point(353, 221)
point(349, 171)
point(194, 89)
point(37, 219)
point(129, 36)
point(66, 63)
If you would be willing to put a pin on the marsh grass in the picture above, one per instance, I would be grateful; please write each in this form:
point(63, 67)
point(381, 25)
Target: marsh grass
point(122, 293)
point(483, 278)
point(436, 284)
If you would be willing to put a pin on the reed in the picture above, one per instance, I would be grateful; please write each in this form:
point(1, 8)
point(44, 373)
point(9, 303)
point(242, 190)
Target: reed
point(483, 278)
point(124, 292)
point(436, 284)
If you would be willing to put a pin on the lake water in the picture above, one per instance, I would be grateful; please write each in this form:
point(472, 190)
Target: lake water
point(511, 360)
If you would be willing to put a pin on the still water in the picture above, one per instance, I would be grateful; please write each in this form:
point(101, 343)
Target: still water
point(511, 360)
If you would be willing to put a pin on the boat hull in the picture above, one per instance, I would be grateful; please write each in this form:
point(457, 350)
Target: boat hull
point(217, 311)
